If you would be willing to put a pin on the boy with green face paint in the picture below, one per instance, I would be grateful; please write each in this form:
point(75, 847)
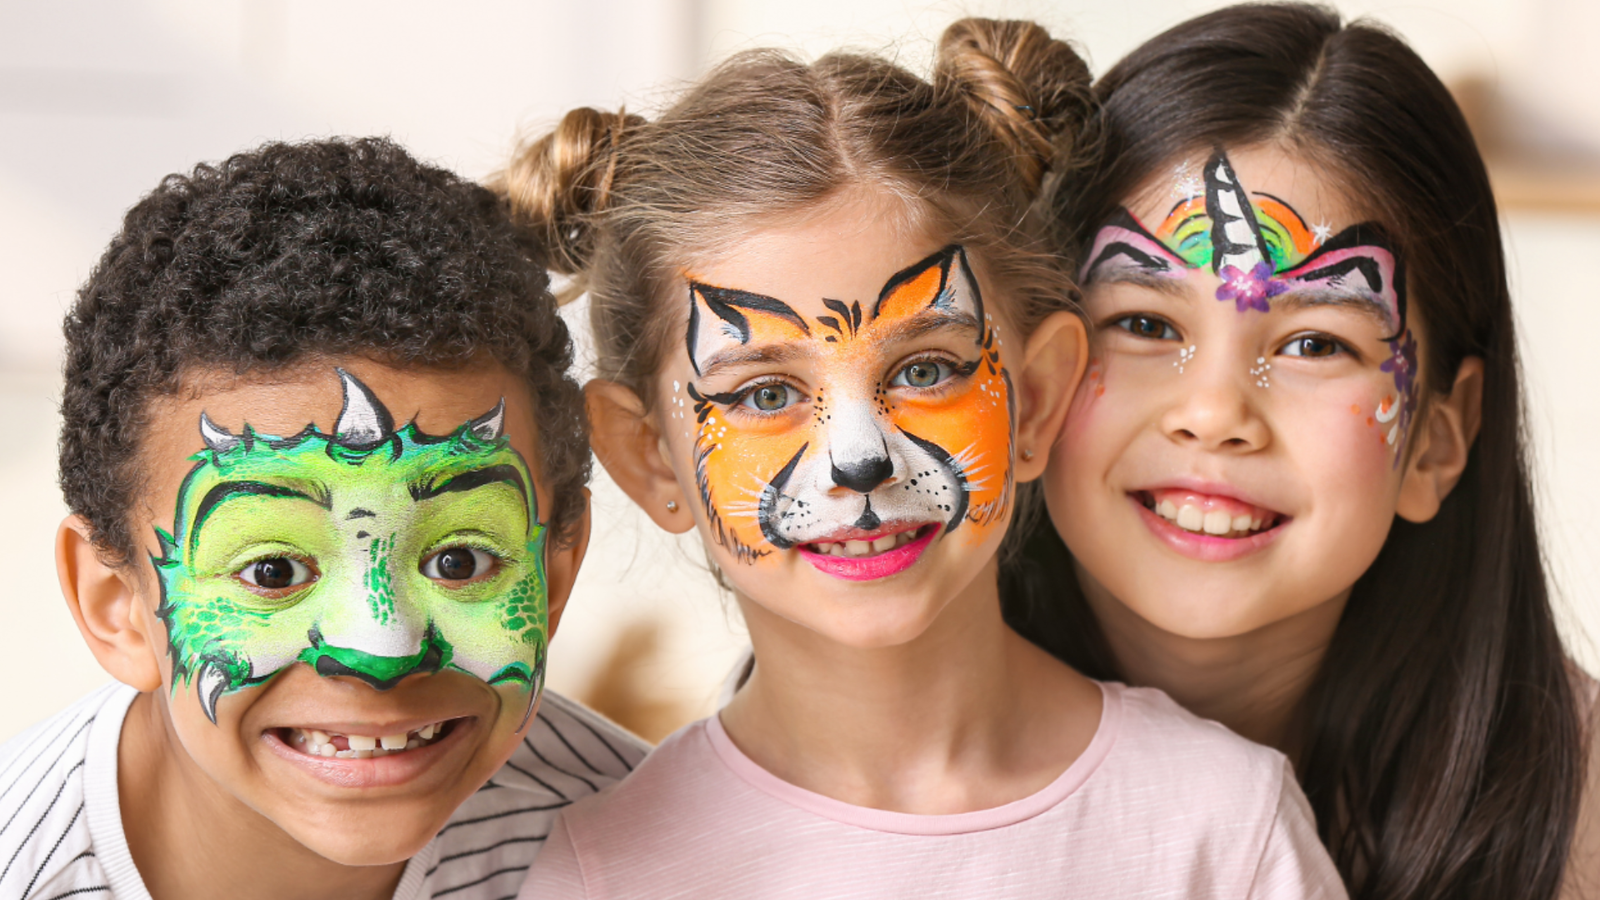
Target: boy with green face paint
point(429, 550)
point(330, 630)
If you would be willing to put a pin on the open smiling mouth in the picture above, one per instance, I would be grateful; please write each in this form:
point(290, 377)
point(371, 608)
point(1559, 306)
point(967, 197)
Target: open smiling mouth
point(314, 742)
point(1210, 515)
point(869, 556)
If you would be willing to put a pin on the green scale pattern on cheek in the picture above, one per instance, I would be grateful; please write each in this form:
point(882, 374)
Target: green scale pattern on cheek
point(363, 510)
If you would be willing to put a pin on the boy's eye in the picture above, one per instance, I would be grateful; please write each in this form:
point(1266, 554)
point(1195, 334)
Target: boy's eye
point(276, 573)
point(457, 564)
point(924, 373)
point(769, 397)
point(1148, 327)
point(1312, 345)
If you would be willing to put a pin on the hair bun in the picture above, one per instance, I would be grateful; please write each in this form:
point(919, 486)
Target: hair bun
point(558, 182)
point(1032, 90)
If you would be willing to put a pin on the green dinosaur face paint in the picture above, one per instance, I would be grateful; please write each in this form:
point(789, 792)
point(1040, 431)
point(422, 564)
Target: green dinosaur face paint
point(371, 552)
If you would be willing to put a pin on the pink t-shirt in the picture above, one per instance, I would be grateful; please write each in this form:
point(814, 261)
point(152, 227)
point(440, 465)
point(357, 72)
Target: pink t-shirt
point(1161, 804)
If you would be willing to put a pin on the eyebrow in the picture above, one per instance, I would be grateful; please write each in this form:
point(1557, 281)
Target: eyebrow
point(760, 354)
point(1360, 301)
point(228, 490)
point(1136, 274)
point(472, 480)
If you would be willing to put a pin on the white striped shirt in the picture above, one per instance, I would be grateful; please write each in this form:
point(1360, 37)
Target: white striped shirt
point(61, 827)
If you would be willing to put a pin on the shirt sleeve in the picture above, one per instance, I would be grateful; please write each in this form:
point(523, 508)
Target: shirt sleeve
point(1294, 864)
point(555, 874)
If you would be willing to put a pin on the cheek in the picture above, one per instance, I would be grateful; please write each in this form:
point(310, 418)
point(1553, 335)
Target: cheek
point(1105, 412)
point(1341, 442)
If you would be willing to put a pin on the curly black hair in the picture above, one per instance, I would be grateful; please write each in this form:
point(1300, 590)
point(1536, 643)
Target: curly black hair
point(329, 247)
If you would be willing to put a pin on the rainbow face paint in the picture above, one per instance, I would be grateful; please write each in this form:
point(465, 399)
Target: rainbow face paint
point(371, 552)
point(888, 441)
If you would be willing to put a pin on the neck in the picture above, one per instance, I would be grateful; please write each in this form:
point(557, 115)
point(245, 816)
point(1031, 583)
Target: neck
point(189, 838)
point(1253, 683)
point(967, 715)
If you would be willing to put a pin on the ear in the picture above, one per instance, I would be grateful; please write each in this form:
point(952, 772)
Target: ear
point(1443, 445)
point(104, 601)
point(561, 566)
point(634, 453)
point(1052, 364)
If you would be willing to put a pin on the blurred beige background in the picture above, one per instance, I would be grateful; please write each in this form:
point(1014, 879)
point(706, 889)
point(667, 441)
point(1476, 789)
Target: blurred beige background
point(100, 98)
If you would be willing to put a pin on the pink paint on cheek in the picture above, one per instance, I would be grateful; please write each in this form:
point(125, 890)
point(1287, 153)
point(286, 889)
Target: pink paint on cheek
point(1357, 433)
point(1085, 403)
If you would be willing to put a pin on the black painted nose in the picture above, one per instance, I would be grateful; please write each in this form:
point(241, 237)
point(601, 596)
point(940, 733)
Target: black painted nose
point(863, 475)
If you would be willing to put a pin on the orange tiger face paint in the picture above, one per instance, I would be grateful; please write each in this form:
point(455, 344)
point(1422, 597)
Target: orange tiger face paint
point(899, 434)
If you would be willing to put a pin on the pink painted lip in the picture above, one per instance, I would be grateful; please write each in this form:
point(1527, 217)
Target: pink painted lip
point(394, 770)
point(1205, 547)
point(871, 568)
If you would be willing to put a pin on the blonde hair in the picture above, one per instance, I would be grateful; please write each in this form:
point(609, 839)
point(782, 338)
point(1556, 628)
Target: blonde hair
point(623, 203)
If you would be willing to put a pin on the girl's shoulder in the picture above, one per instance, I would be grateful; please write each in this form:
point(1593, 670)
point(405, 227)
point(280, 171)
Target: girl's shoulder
point(1155, 730)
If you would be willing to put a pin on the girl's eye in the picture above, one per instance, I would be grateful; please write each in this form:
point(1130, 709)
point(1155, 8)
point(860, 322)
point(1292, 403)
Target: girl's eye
point(769, 397)
point(276, 574)
point(1148, 327)
point(457, 564)
point(924, 373)
point(1315, 346)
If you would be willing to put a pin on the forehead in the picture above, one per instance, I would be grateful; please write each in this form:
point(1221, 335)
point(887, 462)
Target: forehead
point(846, 250)
point(284, 402)
point(1272, 170)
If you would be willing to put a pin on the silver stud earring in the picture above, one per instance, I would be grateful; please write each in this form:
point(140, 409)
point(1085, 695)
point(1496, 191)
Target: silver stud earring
point(1027, 455)
point(672, 506)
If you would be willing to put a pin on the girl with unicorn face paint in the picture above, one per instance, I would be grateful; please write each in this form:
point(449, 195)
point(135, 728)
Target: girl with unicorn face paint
point(1292, 489)
point(833, 342)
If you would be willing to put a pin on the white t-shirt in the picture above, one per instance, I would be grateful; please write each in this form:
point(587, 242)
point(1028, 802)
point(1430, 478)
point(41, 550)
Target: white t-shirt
point(1161, 804)
point(61, 825)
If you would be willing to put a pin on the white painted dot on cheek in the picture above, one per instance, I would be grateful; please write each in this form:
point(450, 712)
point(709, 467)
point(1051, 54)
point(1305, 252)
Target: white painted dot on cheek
point(1260, 372)
point(1185, 356)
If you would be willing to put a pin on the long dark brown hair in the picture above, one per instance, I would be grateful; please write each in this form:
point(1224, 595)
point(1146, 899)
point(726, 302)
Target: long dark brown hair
point(1442, 744)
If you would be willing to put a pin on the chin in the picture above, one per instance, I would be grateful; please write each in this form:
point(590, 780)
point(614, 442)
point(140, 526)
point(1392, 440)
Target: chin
point(877, 629)
point(1204, 617)
point(369, 840)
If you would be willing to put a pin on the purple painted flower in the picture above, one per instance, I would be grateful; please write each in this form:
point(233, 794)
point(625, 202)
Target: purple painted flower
point(1402, 362)
point(1252, 289)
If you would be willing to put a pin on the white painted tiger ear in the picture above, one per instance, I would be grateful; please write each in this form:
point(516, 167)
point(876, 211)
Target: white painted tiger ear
point(720, 318)
point(491, 425)
point(961, 292)
point(364, 422)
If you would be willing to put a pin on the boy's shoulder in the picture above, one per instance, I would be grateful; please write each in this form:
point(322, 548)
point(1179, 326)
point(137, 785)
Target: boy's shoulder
point(569, 753)
point(54, 784)
point(61, 826)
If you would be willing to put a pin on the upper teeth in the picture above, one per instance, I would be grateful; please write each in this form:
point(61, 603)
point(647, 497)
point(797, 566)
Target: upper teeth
point(361, 746)
point(1218, 522)
point(853, 549)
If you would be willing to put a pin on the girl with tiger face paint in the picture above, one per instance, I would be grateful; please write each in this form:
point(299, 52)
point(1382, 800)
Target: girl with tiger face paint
point(843, 412)
point(829, 341)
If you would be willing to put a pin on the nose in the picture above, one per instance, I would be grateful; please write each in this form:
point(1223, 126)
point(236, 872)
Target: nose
point(1218, 408)
point(863, 475)
point(858, 454)
point(370, 628)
